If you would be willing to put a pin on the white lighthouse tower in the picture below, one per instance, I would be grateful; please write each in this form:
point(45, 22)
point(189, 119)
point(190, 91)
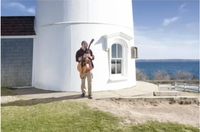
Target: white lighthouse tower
point(61, 25)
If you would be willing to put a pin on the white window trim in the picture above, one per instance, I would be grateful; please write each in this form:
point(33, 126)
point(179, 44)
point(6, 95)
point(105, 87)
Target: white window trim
point(123, 75)
point(122, 37)
point(33, 59)
point(124, 41)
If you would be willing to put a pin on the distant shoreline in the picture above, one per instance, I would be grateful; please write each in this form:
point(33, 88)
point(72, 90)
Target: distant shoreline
point(166, 60)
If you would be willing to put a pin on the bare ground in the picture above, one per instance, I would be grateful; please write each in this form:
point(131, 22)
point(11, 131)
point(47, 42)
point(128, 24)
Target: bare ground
point(136, 111)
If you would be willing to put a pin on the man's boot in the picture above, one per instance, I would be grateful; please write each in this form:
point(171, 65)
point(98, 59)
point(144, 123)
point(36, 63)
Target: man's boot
point(83, 95)
point(90, 97)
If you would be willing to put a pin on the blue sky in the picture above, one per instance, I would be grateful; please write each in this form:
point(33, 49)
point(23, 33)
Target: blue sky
point(162, 29)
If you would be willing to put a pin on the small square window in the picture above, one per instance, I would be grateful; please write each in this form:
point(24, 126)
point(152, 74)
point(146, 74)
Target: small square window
point(134, 52)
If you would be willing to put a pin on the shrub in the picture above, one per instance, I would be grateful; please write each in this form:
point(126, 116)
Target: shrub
point(141, 76)
point(161, 75)
point(194, 78)
point(182, 75)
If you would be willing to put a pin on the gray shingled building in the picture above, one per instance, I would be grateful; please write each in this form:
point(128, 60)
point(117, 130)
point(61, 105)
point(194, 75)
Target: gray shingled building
point(17, 41)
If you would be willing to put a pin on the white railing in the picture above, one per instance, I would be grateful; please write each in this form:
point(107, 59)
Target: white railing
point(187, 87)
point(182, 86)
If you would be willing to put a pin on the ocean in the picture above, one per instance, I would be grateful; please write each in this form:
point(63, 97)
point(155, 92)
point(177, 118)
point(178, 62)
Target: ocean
point(149, 67)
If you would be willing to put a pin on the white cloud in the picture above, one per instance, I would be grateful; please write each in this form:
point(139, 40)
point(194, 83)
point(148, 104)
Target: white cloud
point(164, 46)
point(167, 21)
point(191, 42)
point(20, 7)
point(31, 10)
point(181, 7)
point(193, 26)
point(17, 5)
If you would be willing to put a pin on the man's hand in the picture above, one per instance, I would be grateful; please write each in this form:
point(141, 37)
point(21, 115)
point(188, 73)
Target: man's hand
point(86, 56)
point(89, 56)
point(80, 58)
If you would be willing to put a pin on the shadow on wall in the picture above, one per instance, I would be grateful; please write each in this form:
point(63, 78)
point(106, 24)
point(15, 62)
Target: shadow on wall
point(102, 42)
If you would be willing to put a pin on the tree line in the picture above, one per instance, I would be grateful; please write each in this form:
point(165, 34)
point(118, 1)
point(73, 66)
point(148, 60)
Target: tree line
point(163, 75)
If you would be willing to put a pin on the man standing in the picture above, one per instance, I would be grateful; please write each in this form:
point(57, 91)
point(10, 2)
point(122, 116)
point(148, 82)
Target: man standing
point(81, 54)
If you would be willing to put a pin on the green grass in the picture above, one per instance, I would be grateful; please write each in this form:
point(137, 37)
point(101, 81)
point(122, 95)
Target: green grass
point(154, 126)
point(71, 116)
point(6, 91)
point(59, 116)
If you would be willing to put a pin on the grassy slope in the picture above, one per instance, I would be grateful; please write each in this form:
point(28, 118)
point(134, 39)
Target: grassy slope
point(71, 116)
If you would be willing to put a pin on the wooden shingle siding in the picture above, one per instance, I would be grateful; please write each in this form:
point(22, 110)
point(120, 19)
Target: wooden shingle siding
point(17, 25)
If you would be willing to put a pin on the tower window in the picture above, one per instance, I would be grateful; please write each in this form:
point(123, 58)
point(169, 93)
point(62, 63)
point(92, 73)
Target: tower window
point(116, 59)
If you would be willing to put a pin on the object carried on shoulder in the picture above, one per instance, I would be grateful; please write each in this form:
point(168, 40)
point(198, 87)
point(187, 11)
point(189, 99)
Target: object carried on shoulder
point(85, 64)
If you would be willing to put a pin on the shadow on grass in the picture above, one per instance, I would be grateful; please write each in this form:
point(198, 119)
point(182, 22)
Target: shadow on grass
point(7, 92)
point(24, 91)
point(41, 101)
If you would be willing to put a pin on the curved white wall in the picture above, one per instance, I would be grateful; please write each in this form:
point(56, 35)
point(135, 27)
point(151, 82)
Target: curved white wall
point(104, 11)
point(62, 25)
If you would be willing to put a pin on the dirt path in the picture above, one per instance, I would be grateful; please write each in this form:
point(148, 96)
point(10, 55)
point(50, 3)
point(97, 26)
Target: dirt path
point(136, 111)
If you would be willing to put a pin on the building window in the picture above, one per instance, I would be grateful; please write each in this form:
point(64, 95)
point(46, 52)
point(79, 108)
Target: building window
point(134, 52)
point(116, 59)
point(118, 46)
